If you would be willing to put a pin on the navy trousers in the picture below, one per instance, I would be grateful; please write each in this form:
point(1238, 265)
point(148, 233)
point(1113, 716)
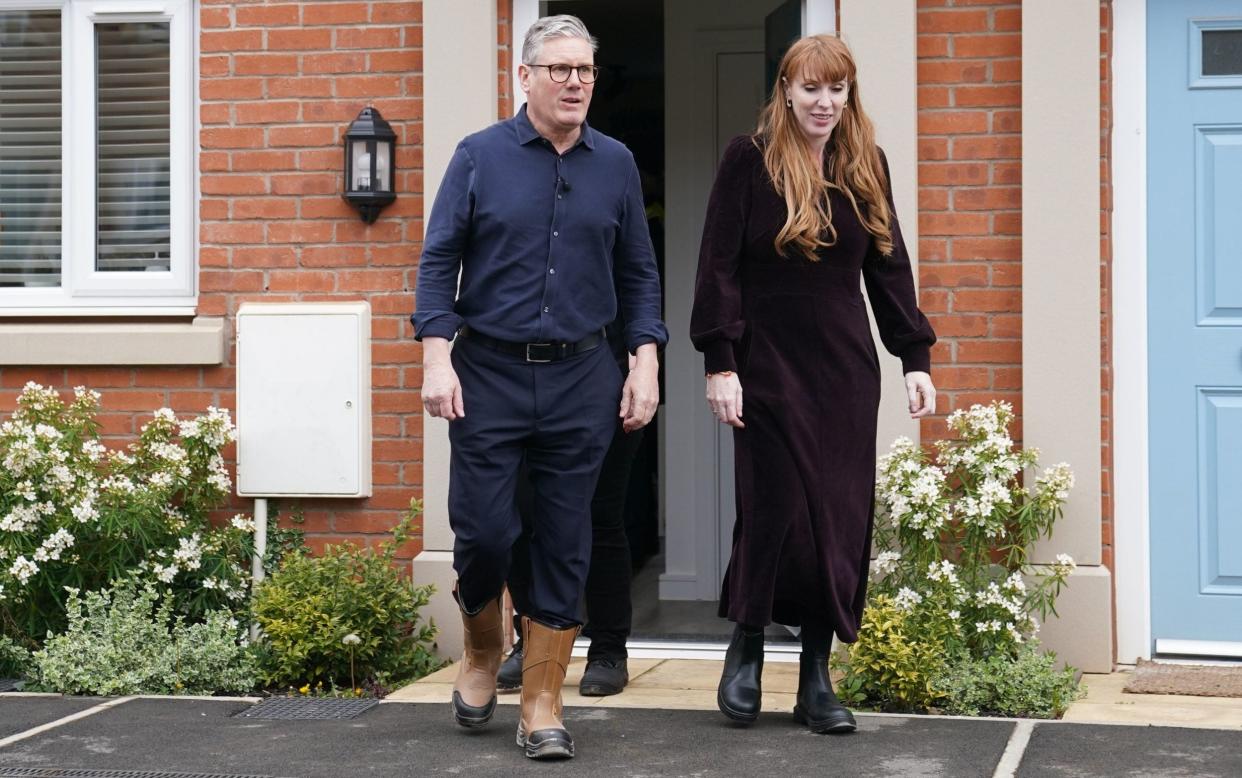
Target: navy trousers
point(609, 608)
point(560, 418)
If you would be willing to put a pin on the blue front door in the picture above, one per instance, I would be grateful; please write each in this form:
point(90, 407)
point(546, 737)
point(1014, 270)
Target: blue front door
point(1194, 217)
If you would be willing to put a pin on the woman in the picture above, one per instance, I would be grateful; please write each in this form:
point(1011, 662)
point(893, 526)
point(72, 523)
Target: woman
point(798, 211)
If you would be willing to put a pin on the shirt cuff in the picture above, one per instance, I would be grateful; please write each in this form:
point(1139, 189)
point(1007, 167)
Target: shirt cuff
point(437, 328)
point(718, 356)
point(917, 359)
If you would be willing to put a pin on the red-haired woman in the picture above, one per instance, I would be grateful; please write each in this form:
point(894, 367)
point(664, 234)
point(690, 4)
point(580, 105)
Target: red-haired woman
point(800, 209)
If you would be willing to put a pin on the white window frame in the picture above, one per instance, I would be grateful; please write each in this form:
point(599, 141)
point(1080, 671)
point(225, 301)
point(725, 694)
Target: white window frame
point(83, 289)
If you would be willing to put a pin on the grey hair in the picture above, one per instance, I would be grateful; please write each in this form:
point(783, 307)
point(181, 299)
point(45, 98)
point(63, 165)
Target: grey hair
point(561, 26)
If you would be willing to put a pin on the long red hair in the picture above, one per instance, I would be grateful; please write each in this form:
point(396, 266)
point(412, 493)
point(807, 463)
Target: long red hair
point(854, 167)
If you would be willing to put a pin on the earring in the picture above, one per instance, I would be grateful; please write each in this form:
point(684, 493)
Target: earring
point(789, 103)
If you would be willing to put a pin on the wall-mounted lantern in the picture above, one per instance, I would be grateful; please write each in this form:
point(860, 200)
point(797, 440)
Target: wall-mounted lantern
point(370, 152)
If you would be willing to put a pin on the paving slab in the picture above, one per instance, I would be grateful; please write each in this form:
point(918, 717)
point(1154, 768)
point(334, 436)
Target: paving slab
point(202, 736)
point(19, 713)
point(1099, 750)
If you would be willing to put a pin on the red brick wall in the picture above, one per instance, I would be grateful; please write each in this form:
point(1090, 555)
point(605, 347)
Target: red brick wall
point(1106, 281)
point(970, 199)
point(279, 83)
point(508, 54)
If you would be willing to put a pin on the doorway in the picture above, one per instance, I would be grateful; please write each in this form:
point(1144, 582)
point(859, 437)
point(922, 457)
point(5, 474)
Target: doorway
point(679, 78)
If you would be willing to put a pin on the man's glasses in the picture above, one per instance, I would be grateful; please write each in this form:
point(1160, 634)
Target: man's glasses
point(559, 72)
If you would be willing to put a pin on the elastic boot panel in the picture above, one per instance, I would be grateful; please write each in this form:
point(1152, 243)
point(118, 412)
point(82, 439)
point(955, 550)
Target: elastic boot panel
point(470, 716)
point(838, 722)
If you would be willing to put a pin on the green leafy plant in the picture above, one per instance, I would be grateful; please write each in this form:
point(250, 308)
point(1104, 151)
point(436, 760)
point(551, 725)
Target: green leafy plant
point(345, 615)
point(952, 582)
point(128, 640)
point(14, 659)
point(1029, 685)
point(76, 515)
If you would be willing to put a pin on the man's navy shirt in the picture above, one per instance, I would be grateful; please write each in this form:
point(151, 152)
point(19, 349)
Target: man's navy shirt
point(546, 243)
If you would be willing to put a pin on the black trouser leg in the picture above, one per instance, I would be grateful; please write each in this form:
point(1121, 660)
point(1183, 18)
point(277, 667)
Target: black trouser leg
point(609, 608)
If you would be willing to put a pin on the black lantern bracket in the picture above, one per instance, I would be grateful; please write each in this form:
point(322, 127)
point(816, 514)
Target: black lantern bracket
point(370, 164)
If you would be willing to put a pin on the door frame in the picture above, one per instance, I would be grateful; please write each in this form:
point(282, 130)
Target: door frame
point(1128, 231)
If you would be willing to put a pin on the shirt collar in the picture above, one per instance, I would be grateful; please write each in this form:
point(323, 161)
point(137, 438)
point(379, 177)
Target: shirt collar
point(527, 133)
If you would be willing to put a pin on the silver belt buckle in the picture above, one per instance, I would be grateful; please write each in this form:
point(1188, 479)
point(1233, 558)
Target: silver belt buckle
point(529, 358)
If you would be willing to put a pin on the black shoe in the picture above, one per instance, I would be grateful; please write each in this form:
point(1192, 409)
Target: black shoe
point(510, 677)
point(818, 707)
point(740, 692)
point(604, 677)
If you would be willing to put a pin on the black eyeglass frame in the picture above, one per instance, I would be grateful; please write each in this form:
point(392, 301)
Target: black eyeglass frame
point(592, 69)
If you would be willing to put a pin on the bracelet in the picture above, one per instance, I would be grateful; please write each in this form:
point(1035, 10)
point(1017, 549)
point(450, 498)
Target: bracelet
point(725, 373)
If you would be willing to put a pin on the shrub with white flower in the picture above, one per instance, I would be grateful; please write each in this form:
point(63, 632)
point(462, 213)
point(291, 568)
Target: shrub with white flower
point(953, 577)
point(74, 513)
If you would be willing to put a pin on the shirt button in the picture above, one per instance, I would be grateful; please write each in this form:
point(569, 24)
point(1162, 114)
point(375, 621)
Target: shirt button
point(556, 234)
point(546, 309)
point(558, 197)
point(551, 271)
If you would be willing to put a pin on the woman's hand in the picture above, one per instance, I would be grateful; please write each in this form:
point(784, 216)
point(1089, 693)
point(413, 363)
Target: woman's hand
point(724, 395)
point(921, 393)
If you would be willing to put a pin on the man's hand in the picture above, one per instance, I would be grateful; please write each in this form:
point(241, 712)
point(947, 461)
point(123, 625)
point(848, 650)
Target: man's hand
point(441, 389)
point(724, 395)
point(921, 394)
point(641, 394)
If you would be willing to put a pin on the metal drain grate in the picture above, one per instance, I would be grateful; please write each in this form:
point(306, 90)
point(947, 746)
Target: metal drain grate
point(307, 708)
point(10, 684)
point(44, 772)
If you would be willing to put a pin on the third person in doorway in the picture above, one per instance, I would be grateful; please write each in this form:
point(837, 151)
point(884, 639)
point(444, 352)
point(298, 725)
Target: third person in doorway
point(799, 211)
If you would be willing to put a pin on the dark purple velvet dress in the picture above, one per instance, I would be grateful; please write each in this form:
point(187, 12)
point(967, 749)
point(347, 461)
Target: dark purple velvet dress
point(797, 334)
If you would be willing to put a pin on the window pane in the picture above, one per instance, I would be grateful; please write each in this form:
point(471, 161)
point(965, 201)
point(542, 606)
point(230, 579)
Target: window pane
point(1222, 52)
point(29, 148)
point(132, 86)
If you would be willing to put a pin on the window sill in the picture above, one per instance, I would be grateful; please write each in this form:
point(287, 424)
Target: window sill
point(198, 342)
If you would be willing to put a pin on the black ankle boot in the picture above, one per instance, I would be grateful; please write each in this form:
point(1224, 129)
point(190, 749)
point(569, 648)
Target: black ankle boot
point(739, 694)
point(818, 706)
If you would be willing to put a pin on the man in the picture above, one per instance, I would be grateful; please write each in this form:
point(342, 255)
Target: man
point(543, 218)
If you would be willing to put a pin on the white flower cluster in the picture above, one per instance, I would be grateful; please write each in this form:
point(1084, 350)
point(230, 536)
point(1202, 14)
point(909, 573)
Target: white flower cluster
point(907, 598)
point(53, 545)
point(911, 490)
point(22, 569)
point(1055, 482)
point(22, 518)
point(215, 429)
point(885, 563)
point(218, 477)
point(1064, 564)
point(242, 522)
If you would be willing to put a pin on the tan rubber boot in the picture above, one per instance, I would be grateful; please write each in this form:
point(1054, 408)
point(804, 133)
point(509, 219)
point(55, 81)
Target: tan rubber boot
point(474, 691)
point(546, 656)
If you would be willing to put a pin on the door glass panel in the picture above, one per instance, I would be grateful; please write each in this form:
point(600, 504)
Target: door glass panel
point(1222, 52)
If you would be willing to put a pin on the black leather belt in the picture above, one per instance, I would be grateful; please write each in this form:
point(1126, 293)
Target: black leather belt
point(534, 352)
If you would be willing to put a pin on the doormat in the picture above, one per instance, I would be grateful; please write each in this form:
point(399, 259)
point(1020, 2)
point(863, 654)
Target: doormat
point(1197, 680)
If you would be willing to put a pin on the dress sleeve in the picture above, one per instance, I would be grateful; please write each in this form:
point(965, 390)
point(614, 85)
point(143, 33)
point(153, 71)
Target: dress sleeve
point(904, 329)
point(716, 323)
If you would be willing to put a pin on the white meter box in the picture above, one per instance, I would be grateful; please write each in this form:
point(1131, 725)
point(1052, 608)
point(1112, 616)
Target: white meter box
point(304, 400)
